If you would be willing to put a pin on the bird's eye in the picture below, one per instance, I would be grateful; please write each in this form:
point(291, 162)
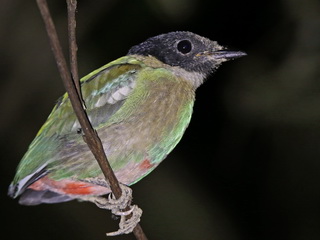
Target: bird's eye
point(184, 46)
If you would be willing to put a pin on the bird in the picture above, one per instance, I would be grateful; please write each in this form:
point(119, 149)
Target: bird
point(139, 104)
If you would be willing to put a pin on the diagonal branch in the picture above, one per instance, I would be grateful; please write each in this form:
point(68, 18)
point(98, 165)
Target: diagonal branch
point(73, 88)
point(73, 48)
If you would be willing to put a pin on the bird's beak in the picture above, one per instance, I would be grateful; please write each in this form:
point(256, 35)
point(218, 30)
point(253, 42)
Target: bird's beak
point(222, 55)
point(227, 54)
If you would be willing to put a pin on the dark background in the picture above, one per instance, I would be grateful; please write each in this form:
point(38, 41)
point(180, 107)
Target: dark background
point(248, 165)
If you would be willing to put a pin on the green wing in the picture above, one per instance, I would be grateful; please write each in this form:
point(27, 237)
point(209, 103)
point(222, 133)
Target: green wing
point(104, 90)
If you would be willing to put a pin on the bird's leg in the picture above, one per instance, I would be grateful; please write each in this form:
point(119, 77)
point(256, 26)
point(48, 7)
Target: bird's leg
point(120, 207)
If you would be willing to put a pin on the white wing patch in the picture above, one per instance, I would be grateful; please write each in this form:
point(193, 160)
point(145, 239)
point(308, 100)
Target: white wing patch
point(118, 94)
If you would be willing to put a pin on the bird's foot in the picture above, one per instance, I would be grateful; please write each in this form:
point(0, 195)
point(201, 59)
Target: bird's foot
point(129, 215)
point(128, 223)
point(115, 205)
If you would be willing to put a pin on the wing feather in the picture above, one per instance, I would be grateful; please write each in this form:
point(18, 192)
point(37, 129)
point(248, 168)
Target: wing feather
point(104, 91)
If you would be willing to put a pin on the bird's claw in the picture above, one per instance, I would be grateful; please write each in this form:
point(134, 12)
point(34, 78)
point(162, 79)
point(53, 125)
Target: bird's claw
point(118, 207)
point(127, 225)
point(113, 204)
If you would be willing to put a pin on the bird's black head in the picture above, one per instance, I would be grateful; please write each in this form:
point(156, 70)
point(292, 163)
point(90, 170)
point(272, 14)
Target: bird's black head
point(187, 50)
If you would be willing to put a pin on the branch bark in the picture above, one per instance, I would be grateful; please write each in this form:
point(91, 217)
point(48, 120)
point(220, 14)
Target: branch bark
point(73, 48)
point(72, 85)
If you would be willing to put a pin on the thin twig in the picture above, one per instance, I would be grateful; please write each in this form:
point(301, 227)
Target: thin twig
point(73, 48)
point(90, 136)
